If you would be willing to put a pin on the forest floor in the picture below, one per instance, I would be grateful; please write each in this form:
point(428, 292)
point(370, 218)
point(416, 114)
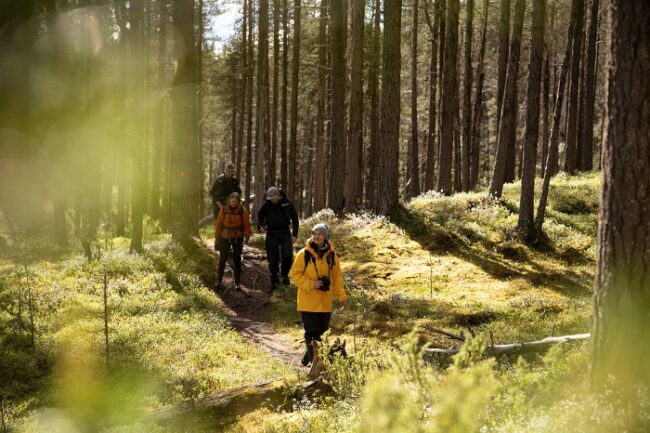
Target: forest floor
point(246, 307)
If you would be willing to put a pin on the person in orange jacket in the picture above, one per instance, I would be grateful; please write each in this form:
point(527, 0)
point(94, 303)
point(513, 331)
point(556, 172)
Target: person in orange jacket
point(316, 271)
point(232, 229)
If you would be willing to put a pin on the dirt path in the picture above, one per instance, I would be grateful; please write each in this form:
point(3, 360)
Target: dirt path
point(247, 306)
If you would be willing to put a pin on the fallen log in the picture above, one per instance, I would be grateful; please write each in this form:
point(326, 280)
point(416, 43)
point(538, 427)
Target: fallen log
point(222, 408)
point(515, 348)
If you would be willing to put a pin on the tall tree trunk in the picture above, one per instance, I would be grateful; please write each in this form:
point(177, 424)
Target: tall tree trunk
point(284, 163)
point(577, 18)
point(545, 107)
point(249, 106)
point(525, 224)
point(354, 184)
point(276, 91)
point(243, 88)
point(159, 121)
point(199, 174)
point(139, 178)
point(621, 304)
point(590, 88)
point(551, 160)
point(413, 174)
point(475, 154)
point(508, 121)
point(337, 165)
point(450, 99)
point(262, 103)
point(387, 183)
point(295, 69)
point(184, 158)
point(373, 86)
point(467, 98)
point(504, 47)
point(320, 168)
point(429, 178)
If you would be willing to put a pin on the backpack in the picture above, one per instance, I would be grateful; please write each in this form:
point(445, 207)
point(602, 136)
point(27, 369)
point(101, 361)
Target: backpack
point(239, 212)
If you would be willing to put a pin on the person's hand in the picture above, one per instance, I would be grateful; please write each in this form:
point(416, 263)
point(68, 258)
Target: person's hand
point(317, 284)
point(293, 240)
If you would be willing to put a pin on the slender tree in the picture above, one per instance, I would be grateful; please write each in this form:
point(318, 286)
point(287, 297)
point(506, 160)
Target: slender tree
point(249, 104)
point(284, 166)
point(508, 121)
point(621, 303)
point(184, 158)
point(504, 43)
point(412, 161)
point(467, 96)
point(262, 139)
point(295, 70)
point(478, 104)
point(354, 184)
point(275, 93)
point(573, 119)
point(450, 98)
point(387, 189)
point(337, 164)
point(587, 146)
point(429, 177)
point(525, 225)
point(320, 168)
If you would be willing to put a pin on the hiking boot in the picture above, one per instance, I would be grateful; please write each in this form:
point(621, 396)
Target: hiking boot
point(305, 359)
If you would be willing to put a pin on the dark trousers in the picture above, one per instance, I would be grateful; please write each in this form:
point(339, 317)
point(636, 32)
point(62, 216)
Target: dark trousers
point(279, 249)
point(224, 246)
point(315, 325)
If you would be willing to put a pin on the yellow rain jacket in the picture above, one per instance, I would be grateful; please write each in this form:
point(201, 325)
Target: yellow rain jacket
point(315, 300)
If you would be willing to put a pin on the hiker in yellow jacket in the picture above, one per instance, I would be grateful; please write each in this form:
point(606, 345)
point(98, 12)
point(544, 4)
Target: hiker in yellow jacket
point(316, 271)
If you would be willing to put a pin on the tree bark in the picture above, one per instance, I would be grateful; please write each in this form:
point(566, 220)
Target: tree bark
point(275, 94)
point(295, 70)
point(387, 182)
point(525, 225)
point(320, 168)
point(508, 121)
point(337, 164)
point(450, 99)
point(184, 158)
point(587, 146)
point(262, 139)
point(412, 158)
point(354, 184)
point(372, 159)
point(249, 106)
point(621, 303)
point(504, 46)
point(577, 18)
point(467, 96)
point(475, 154)
point(245, 84)
point(429, 177)
point(284, 163)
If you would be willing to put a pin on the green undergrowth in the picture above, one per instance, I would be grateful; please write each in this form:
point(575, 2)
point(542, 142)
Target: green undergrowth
point(168, 339)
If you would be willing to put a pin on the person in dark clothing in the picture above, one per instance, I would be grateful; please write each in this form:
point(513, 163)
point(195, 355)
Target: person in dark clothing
point(279, 220)
point(222, 187)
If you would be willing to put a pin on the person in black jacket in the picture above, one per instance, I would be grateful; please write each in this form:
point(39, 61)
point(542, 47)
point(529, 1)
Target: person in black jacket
point(279, 220)
point(222, 187)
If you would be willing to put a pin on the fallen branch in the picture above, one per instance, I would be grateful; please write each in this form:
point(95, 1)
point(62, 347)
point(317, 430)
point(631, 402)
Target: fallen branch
point(460, 337)
point(222, 408)
point(516, 348)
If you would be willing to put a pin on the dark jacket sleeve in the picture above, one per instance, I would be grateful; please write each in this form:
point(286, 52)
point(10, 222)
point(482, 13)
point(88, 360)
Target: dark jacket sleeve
point(294, 221)
point(215, 190)
point(237, 187)
point(261, 217)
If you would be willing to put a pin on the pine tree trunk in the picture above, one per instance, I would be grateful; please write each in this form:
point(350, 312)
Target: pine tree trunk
point(587, 155)
point(387, 182)
point(137, 32)
point(525, 226)
point(467, 98)
point(243, 89)
point(577, 18)
point(429, 177)
point(475, 154)
point(354, 184)
point(249, 106)
point(295, 69)
point(183, 223)
point(337, 164)
point(504, 47)
point(372, 159)
point(272, 173)
point(262, 103)
point(284, 163)
point(509, 105)
point(413, 174)
point(450, 99)
point(545, 107)
point(320, 168)
point(621, 304)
